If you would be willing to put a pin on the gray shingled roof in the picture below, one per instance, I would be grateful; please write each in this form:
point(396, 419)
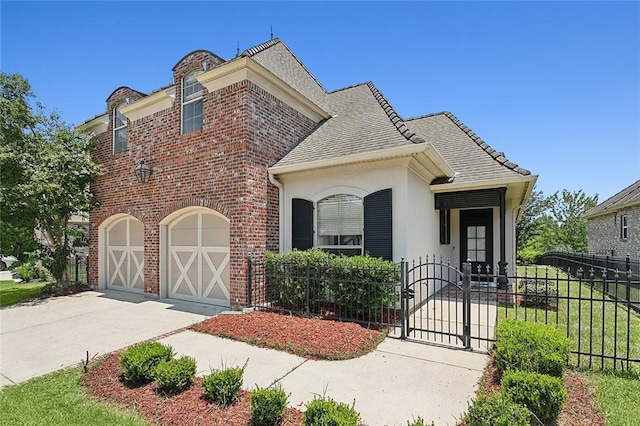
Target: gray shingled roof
point(627, 197)
point(363, 121)
point(463, 150)
point(276, 57)
point(359, 125)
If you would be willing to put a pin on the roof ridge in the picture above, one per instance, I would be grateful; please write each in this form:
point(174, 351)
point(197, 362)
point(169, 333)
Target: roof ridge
point(260, 47)
point(425, 116)
point(497, 156)
point(349, 87)
point(395, 119)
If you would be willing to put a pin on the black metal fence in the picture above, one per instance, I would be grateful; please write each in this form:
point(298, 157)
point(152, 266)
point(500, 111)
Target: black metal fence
point(435, 301)
point(607, 271)
point(78, 269)
point(603, 326)
point(310, 289)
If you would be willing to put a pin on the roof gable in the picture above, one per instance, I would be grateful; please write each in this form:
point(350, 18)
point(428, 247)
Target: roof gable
point(627, 197)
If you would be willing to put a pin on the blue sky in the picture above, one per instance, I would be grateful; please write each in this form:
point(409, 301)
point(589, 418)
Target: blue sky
point(555, 85)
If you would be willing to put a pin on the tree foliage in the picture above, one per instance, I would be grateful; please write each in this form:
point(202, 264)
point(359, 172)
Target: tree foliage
point(46, 170)
point(553, 223)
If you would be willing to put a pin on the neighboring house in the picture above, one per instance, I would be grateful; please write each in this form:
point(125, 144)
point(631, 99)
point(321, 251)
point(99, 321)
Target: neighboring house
point(253, 154)
point(78, 222)
point(614, 225)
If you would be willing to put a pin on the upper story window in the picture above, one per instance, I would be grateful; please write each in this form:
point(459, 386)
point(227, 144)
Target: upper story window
point(191, 102)
point(624, 227)
point(340, 224)
point(119, 130)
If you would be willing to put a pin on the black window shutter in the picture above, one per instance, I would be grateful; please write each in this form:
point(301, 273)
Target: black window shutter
point(301, 224)
point(445, 226)
point(377, 224)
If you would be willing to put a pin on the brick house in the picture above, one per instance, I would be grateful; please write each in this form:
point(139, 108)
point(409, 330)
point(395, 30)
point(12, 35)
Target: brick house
point(613, 226)
point(253, 154)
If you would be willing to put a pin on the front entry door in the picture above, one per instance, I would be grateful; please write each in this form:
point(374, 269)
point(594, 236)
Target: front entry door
point(476, 240)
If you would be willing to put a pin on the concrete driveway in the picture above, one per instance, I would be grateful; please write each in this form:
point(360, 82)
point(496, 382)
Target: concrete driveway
point(397, 382)
point(43, 336)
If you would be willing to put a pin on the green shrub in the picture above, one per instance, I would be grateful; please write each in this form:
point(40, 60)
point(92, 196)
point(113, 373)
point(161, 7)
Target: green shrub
point(267, 406)
point(222, 386)
point(538, 293)
point(175, 375)
point(138, 362)
point(287, 276)
point(360, 286)
point(496, 411)
point(27, 271)
point(328, 412)
point(531, 347)
point(543, 395)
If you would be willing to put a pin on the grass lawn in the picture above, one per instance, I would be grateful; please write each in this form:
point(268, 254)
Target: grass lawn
point(618, 396)
point(599, 327)
point(12, 292)
point(59, 399)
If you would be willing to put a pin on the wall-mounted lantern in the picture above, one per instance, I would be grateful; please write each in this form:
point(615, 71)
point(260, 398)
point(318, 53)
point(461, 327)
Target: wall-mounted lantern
point(143, 172)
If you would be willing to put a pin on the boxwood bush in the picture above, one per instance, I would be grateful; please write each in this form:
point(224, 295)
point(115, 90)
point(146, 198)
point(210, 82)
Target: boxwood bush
point(531, 347)
point(267, 406)
point(538, 293)
point(496, 411)
point(358, 286)
point(543, 395)
point(175, 375)
point(138, 362)
point(328, 412)
point(222, 386)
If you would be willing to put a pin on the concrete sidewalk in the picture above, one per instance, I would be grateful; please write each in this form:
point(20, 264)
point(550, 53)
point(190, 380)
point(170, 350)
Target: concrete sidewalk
point(397, 382)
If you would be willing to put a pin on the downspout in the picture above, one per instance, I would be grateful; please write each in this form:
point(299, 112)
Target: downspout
point(274, 180)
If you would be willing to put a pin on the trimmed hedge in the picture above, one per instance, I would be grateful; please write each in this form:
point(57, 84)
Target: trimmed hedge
point(358, 286)
point(538, 294)
point(267, 406)
point(222, 386)
point(531, 347)
point(497, 411)
point(175, 375)
point(543, 395)
point(138, 362)
point(328, 412)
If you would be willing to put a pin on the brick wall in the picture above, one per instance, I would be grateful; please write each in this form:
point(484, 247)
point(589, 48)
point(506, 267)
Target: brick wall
point(604, 234)
point(223, 166)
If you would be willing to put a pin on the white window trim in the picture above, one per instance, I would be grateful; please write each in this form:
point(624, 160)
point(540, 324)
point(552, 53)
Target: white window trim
point(624, 227)
point(195, 73)
point(116, 128)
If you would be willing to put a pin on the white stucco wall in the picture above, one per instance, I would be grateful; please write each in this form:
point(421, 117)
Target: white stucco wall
point(360, 180)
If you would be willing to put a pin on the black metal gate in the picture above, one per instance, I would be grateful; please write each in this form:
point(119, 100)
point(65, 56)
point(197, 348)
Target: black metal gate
point(440, 302)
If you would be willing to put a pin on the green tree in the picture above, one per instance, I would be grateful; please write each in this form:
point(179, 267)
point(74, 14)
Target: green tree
point(46, 170)
point(553, 223)
point(566, 210)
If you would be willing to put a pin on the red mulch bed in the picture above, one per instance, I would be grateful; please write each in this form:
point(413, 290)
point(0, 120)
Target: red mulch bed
point(190, 407)
point(65, 291)
point(580, 409)
point(312, 338)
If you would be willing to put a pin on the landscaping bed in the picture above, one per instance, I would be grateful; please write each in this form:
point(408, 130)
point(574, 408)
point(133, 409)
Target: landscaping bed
point(312, 338)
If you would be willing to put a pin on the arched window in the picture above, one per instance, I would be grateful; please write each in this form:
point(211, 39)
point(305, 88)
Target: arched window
point(119, 130)
point(340, 224)
point(191, 102)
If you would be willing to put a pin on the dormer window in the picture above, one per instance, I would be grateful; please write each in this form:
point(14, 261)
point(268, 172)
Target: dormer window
point(191, 102)
point(119, 130)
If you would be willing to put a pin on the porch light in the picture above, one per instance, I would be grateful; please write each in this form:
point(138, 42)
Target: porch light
point(143, 172)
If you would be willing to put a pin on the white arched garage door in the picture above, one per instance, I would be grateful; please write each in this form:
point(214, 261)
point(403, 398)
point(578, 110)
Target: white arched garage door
point(197, 256)
point(124, 250)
